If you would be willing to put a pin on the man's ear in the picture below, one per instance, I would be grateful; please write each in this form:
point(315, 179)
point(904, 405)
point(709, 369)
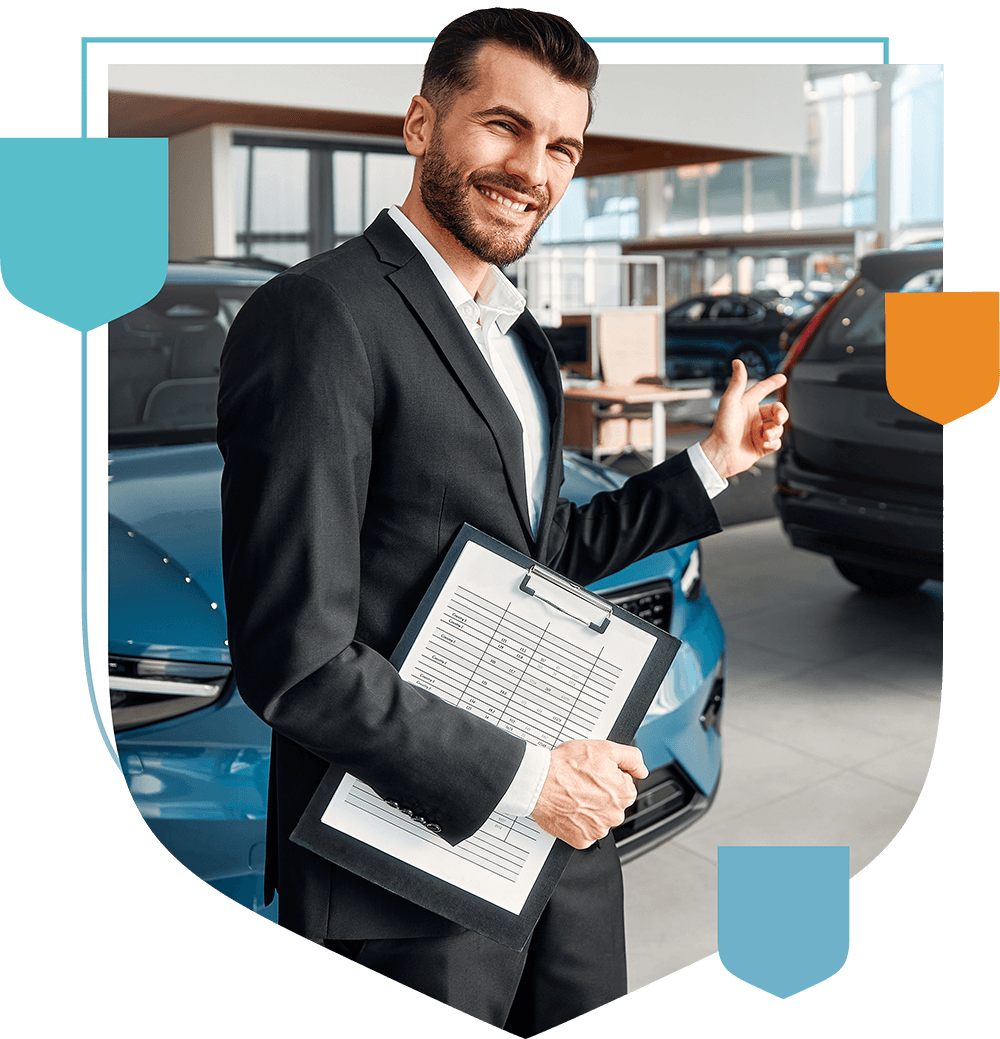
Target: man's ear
point(418, 125)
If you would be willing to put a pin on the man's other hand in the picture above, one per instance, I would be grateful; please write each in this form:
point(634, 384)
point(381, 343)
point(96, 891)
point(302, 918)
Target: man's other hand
point(745, 430)
point(588, 787)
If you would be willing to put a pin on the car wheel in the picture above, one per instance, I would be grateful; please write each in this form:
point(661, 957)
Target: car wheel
point(872, 579)
point(754, 362)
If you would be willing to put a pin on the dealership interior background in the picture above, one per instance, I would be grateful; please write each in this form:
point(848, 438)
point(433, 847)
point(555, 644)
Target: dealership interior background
point(753, 179)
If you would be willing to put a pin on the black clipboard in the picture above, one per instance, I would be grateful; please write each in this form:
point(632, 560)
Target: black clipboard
point(512, 929)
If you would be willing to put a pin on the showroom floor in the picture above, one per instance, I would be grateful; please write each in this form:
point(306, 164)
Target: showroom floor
point(828, 726)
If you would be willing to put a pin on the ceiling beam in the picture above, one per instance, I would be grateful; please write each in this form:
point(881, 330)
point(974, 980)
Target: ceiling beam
point(148, 115)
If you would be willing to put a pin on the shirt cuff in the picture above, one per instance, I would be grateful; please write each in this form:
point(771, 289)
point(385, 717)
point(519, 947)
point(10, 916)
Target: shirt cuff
point(522, 794)
point(714, 483)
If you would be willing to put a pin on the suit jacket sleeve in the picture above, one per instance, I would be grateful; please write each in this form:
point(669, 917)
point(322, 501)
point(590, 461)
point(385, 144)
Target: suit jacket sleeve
point(297, 406)
point(655, 510)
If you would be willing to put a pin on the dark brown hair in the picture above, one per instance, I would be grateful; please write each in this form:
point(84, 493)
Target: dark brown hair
point(547, 38)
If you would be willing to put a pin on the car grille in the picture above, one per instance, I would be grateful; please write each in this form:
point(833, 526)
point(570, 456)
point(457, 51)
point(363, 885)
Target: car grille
point(667, 803)
point(651, 602)
point(660, 794)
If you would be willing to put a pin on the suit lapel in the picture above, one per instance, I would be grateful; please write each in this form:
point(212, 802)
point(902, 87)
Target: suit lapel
point(415, 281)
point(547, 371)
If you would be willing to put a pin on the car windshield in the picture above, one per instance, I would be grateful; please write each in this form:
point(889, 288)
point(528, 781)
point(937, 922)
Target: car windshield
point(163, 365)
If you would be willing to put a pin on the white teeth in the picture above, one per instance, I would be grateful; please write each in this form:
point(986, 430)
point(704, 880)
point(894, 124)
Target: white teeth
point(518, 207)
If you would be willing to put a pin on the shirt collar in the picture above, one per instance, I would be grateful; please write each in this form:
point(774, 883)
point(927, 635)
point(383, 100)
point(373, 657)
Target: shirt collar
point(497, 299)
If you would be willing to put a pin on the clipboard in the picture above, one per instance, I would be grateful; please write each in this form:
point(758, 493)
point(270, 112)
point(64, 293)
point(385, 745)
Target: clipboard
point(501, 635)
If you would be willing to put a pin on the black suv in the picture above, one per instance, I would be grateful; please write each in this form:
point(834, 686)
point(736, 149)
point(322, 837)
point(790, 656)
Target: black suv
point(859, 477)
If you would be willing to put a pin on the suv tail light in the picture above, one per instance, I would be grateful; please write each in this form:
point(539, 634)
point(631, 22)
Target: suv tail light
point(798, 348)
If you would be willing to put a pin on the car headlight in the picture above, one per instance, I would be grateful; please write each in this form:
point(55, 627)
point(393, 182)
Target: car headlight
point(691, 578)
point(144, 691)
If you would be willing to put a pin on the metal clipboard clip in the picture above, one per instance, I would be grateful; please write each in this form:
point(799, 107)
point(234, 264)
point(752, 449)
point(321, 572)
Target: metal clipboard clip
point(568, 598)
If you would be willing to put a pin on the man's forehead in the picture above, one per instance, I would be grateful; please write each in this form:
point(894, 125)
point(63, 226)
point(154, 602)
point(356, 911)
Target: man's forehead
point(505, 74)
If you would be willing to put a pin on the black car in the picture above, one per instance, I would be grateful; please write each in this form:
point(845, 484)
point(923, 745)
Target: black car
point(706, 333)
point(859, 477)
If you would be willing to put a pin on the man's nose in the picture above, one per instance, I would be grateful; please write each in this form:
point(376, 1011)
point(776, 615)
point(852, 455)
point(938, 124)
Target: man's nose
point(527, 163)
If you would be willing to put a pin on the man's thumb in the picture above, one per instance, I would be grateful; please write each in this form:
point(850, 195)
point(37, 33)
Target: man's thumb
point(629, 759)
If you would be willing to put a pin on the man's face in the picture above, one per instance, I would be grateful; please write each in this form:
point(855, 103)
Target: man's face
point(503, 156)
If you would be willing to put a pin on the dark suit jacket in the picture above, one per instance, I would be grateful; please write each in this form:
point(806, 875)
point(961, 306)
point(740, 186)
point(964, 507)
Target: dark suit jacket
point(361, 427)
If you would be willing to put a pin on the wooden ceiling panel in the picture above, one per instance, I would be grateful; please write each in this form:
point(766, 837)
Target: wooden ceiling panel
point(146, 115)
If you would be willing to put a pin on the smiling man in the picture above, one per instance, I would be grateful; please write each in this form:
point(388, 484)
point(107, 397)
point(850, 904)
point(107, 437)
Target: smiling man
point(372, 400)
point(489, 173)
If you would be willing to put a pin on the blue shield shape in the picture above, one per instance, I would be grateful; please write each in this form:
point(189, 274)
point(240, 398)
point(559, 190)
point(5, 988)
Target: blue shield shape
point(783, 915)
point(83, 225)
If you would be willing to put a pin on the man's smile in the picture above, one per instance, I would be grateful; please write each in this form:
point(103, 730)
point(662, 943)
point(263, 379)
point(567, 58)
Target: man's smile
point(508, 203)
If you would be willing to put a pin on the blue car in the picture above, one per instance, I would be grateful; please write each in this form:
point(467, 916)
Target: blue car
point(195, 756)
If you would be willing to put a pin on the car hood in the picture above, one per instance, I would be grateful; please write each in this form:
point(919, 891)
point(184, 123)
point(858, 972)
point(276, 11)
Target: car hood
point(171, 496)
point(164, 504)
point(164, 552)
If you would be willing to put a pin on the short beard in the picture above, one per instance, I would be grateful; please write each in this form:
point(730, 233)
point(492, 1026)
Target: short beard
point(445, 196)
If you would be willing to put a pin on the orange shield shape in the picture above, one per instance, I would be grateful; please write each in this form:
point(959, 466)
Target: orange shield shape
point(942, 351)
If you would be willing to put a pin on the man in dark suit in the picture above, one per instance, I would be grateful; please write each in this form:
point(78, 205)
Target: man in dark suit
point(372, 400)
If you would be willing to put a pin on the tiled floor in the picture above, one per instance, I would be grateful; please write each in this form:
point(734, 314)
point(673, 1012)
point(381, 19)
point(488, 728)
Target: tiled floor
point(828, 727)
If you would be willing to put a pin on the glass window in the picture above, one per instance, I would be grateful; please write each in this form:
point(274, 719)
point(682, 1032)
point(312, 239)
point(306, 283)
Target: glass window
point(565, 223)
point(726, 309)
point(280, 190)
point(724, 184)
point(241, 159)
point(771, 196)
point(822, 167)
point(288, 253)
point(347, 193)
point(612, 208)
point(858, 321)
point(681, 192)
point(308, 196)
point(387, 181)
point(926, 281)
point(918, 133)
point(694, 311)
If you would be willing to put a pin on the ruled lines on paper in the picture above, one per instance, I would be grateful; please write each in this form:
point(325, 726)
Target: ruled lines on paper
point(519, 675)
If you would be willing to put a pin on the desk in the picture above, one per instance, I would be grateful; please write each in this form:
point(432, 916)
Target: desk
point(638, 393)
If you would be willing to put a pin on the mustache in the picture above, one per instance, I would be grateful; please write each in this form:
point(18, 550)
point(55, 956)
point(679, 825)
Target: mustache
point(502, 182)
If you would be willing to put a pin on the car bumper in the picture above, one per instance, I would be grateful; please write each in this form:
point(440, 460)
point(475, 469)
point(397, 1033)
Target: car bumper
point(897, 531)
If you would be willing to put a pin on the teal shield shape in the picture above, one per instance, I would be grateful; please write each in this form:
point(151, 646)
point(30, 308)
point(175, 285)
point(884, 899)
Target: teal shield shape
point(783, 915)
point(83, 225)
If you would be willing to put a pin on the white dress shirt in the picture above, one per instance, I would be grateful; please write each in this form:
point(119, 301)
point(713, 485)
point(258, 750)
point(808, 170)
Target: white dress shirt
point(489, 318)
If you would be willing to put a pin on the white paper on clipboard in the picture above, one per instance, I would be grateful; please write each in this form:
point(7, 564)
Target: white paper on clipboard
point(533, 664)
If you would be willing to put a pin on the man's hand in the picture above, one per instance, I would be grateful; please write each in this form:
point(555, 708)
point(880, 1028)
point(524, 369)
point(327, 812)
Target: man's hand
point(745, 430)
point(587, 789)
